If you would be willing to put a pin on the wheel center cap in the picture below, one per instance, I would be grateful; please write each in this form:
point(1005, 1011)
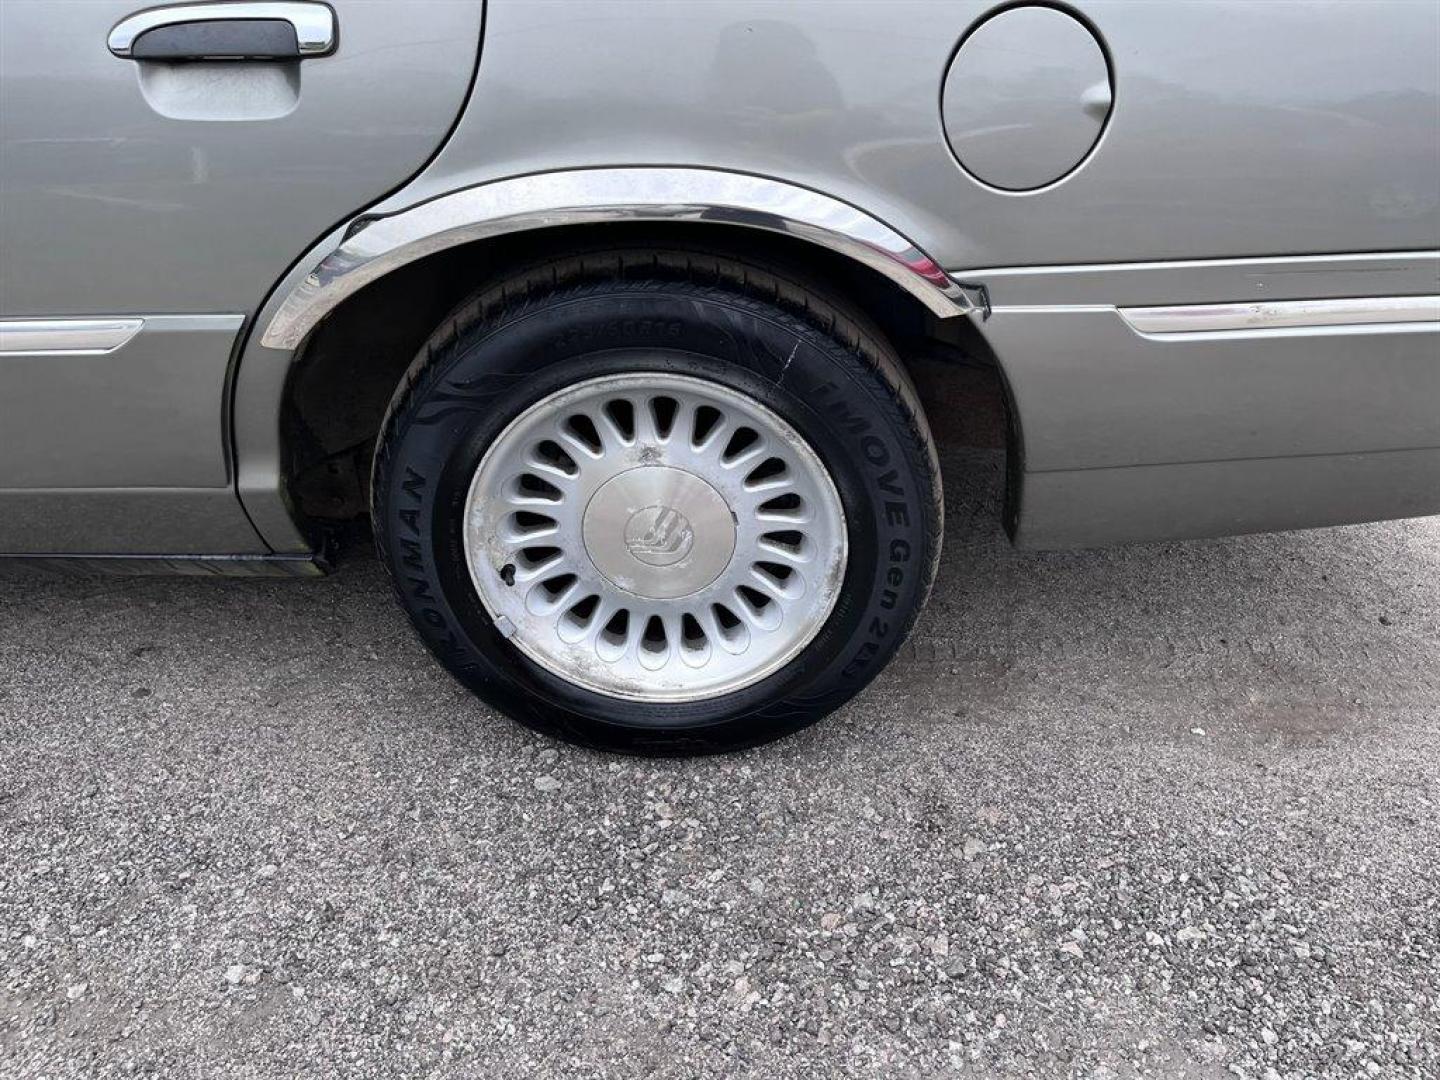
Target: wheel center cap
point(659, 532)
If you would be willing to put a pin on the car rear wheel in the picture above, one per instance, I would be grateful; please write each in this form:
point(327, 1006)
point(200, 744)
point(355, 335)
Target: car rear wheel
point(658, 502)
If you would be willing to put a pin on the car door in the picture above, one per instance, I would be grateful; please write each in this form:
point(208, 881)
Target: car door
point(160, 169)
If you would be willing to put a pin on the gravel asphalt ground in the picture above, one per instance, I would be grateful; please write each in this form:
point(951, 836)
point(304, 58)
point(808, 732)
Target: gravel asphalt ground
point(1167, 811)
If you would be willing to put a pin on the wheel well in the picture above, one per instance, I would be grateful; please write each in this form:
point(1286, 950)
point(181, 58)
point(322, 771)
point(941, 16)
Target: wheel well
point(339, 386)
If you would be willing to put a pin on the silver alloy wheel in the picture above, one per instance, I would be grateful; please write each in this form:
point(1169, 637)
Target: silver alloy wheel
point(655, 537)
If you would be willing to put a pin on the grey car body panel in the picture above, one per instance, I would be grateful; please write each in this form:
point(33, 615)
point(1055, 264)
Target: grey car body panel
point(1132, 436)
point(1238, 128)
point(1278, 151)
point(141, 189)
point(169, 436)
point(1113, 396)
point(1095, 507)
point(111, 207)
point(127, 521)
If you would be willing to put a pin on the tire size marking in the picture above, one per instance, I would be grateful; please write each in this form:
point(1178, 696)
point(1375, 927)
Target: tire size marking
point(645, 328)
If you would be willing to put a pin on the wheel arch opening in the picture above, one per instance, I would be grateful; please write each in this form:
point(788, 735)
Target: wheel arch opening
point(343, 377)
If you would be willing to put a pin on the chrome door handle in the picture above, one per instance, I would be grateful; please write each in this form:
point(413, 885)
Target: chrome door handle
point(227, 31)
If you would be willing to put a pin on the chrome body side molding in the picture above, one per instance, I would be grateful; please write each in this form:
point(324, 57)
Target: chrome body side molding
point(376, 246)
point(1283, 314)
point(66, 337)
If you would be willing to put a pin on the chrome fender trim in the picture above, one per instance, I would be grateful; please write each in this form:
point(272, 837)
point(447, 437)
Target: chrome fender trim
point(375, 246)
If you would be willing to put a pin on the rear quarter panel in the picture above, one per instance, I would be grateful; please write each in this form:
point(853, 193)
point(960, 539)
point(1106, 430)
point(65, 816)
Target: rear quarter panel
point(1238, 128)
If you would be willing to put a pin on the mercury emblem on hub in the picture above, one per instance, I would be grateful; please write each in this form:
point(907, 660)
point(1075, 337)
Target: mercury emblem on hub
point(659, 532)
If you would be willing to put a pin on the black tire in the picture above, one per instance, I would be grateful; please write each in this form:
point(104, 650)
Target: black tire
point(807, 357)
